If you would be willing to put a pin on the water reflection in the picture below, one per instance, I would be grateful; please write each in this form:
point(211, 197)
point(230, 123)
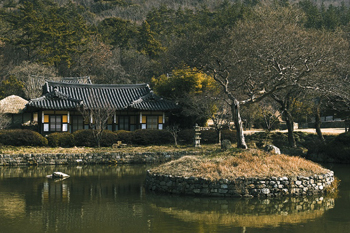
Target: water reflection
point(254, 213)
point(112, 199)
point(12, 205)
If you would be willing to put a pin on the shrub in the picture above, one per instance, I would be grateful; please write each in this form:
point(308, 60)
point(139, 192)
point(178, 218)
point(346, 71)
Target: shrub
point(151, 137)
point(260, 123)
point(343, 139)
point(186, 136)
point(209, 136)
point(63, 139)
point(230, 135)
point(339, 148)
point(124, 136)
point(22, 137)
point(108, 138)
point(84, 137)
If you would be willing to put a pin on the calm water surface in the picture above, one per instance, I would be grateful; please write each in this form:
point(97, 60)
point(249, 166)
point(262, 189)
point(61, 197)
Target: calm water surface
point(107, 199)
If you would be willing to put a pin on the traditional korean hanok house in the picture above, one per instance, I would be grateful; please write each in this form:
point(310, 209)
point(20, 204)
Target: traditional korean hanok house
point(135, 106)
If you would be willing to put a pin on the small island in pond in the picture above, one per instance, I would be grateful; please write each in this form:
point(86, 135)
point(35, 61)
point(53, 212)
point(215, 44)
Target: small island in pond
point(241, 174)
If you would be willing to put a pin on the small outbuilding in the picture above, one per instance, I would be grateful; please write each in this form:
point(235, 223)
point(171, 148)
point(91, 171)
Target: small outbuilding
point(14, 107)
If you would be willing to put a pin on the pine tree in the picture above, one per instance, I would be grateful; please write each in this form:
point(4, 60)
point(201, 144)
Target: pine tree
point(147, 44)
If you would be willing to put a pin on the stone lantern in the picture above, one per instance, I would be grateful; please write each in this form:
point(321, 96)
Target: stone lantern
point(197, 136)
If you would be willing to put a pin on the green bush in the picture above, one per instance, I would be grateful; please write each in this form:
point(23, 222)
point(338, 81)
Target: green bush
point(339, 148)
point(229, 135)
point(343, 139)
point(124, 136)
point(108, 138)
point(84, 137)
point(209, 136)
point(22, 137)
point(151, 137)
point(62, 139)
point(186, 136)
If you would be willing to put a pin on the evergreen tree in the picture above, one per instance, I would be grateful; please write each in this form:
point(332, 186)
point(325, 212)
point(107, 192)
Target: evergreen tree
point(48, 33)
point(117, 32)
point(147, 44)
point(11, 86)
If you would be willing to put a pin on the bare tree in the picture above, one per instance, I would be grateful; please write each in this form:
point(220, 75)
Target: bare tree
point(97, 115)
point(270, 114)
point(33, 75)
point(273, 56)
point(221, 117)
point(174, 131)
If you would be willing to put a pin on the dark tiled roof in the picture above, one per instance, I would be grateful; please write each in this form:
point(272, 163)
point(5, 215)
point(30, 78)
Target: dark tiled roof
point(152, 102)
point(58, 95)
point(55, 100)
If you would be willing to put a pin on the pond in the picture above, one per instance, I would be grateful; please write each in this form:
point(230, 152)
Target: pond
point(112, 199)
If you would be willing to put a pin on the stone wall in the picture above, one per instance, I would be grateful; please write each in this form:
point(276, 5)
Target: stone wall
point(240, 187)
point(89, 158)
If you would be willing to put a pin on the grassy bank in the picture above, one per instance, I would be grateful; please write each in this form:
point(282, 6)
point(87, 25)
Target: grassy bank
point(234, 164)
point(83, 150)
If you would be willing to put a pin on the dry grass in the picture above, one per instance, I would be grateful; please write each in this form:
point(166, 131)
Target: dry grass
point(251, 163)
point(229, 165)
point(82, 150)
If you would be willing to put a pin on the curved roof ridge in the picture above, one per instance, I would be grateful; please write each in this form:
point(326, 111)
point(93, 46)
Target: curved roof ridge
point(148, 96)
point(55, 83)
point(55, 94)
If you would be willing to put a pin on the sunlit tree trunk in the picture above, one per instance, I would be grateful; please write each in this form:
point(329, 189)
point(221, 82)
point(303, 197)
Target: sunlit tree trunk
point(318, 122)
point(235, 108)
point(290, 127)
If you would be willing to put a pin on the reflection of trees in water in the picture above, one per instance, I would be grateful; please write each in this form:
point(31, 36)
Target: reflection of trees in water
point(242, 212)
point(90, 197)
point(12, 205)
point(92, 193)
point(93, 182)
point(95, 170)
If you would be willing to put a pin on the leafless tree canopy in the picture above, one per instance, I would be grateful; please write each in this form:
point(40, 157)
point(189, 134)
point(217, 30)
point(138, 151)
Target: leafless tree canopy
point(97, 116)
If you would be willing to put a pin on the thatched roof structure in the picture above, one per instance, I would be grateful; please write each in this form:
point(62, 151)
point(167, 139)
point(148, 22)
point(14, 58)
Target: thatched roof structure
point(12, 104)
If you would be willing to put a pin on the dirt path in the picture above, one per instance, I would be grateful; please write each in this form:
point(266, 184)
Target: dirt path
point(324, 131)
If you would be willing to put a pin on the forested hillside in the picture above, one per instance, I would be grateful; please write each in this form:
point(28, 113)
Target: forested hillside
point(255, 50)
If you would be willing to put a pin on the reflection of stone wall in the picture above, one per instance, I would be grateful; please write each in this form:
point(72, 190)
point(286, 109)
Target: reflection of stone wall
point(264, 187)
point(90, 158)
point(253, 212)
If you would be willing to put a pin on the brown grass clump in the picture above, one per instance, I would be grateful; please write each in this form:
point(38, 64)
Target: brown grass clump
point(251, 163)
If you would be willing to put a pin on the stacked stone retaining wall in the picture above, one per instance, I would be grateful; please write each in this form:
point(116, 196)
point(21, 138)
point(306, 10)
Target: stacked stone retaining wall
point(90, 158)
point(240, 187)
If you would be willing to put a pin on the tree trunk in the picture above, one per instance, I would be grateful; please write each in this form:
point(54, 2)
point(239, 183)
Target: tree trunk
point(175, 140)
point(219, 136)
point(235, 108)
point(290, 127)
point(318, 122)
